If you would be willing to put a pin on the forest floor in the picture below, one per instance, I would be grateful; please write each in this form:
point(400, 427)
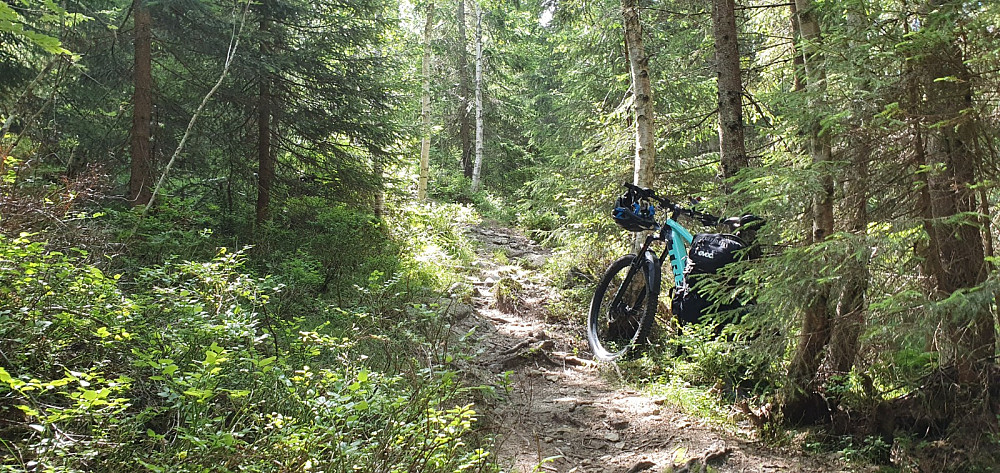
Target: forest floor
point(558, 411)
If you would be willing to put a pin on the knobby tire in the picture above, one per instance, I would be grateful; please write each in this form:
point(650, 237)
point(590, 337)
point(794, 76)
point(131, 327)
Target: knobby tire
point(613, 332)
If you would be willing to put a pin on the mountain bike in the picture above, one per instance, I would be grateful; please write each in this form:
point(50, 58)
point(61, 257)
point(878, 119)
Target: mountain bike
point(625, 300)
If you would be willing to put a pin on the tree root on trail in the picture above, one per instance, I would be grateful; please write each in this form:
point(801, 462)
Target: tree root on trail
point(524, 353)
point(700, 464)
point(571, 360)
point(641, 466)
point(540, 349)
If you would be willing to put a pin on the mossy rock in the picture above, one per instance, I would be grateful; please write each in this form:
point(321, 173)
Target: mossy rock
point(507, 293)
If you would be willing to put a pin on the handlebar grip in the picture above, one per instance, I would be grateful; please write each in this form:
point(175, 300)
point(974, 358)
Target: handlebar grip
point(644, 191)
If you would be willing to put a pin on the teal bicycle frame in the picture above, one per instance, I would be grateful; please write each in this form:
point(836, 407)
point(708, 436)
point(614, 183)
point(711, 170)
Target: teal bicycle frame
point(678, 238)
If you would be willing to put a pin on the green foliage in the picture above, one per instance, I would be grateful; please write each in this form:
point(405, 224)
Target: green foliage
point(45, 15)
point(191, 372)
point(867, 450)
point(174, 228)
point(433, 235)
point(740, 365)
point(326, 248)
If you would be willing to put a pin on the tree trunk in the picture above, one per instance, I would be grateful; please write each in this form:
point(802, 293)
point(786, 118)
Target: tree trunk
point(959, 240)
point(819, 143)
point(265, 155)
point(927, 253)
point(141, 177)
point(851, 308)
point(425, 108)
point(479, 101)
point(464, 91)
point(798, 60)
point(645, 148)
point(969, 344)
point(378, 207)
point(732, 150)
point(798, 406)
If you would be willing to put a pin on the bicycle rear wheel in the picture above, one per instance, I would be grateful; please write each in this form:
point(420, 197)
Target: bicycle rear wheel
point(623, 308)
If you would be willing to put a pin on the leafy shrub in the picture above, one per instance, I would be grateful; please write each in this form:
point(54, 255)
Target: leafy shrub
point(171, 229)
point(436, 247)
point(191, 373)
point(323, 248)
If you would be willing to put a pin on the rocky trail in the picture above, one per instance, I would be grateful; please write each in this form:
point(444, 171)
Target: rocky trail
point(558, 411)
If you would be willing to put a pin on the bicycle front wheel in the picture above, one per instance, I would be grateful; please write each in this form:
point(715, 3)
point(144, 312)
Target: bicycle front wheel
point(623, 308)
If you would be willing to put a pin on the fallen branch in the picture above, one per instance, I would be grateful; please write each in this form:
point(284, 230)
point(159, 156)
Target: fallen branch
point(234, 43)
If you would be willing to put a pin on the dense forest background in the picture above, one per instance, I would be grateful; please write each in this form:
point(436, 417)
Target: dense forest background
point(225, 227)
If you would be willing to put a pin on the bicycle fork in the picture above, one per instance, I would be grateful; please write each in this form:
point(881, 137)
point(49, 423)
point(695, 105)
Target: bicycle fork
point(618, 307)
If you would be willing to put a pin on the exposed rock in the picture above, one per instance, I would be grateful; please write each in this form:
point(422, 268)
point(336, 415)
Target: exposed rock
point(507, 294)
point(534, 261)
point(641, 466)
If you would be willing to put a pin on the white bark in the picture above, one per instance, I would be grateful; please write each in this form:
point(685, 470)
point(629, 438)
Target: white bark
point(645, 148)
point(479, 101)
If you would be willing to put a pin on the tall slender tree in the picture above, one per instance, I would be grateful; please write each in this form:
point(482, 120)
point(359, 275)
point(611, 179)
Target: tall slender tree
point(425, 106)
point(141, 176)
point(479, 100)
point(851, 307)
point(970, 342)
point(642, 93)
point(464, 93)
point(732, 150)
point(265, 153)
point(816, 318)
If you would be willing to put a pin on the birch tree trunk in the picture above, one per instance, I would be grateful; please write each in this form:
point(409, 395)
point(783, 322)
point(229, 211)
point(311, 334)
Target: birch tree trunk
point(425, 108)
point(732, 150)
point(479, 101)
point(464, 91)
point(645, 148)
point(141, 175)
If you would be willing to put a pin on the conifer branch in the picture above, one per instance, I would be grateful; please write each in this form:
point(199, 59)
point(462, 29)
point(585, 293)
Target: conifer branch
point(234, 43)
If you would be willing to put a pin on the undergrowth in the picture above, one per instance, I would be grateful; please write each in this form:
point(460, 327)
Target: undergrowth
point(294, 359)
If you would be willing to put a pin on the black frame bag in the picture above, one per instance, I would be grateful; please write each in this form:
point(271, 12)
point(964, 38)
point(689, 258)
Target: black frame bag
point(709, 252)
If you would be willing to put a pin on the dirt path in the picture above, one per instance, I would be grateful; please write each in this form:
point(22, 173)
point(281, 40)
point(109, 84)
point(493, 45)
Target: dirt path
point(556, 411)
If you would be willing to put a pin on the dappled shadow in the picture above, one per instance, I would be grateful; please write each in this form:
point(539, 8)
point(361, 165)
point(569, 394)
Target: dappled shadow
point(554, 410)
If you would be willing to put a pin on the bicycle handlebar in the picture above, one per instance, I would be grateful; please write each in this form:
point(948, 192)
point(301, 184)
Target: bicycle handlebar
point(705, 218)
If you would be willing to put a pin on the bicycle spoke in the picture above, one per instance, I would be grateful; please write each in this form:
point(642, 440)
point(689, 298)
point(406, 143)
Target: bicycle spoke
point(618, 310)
